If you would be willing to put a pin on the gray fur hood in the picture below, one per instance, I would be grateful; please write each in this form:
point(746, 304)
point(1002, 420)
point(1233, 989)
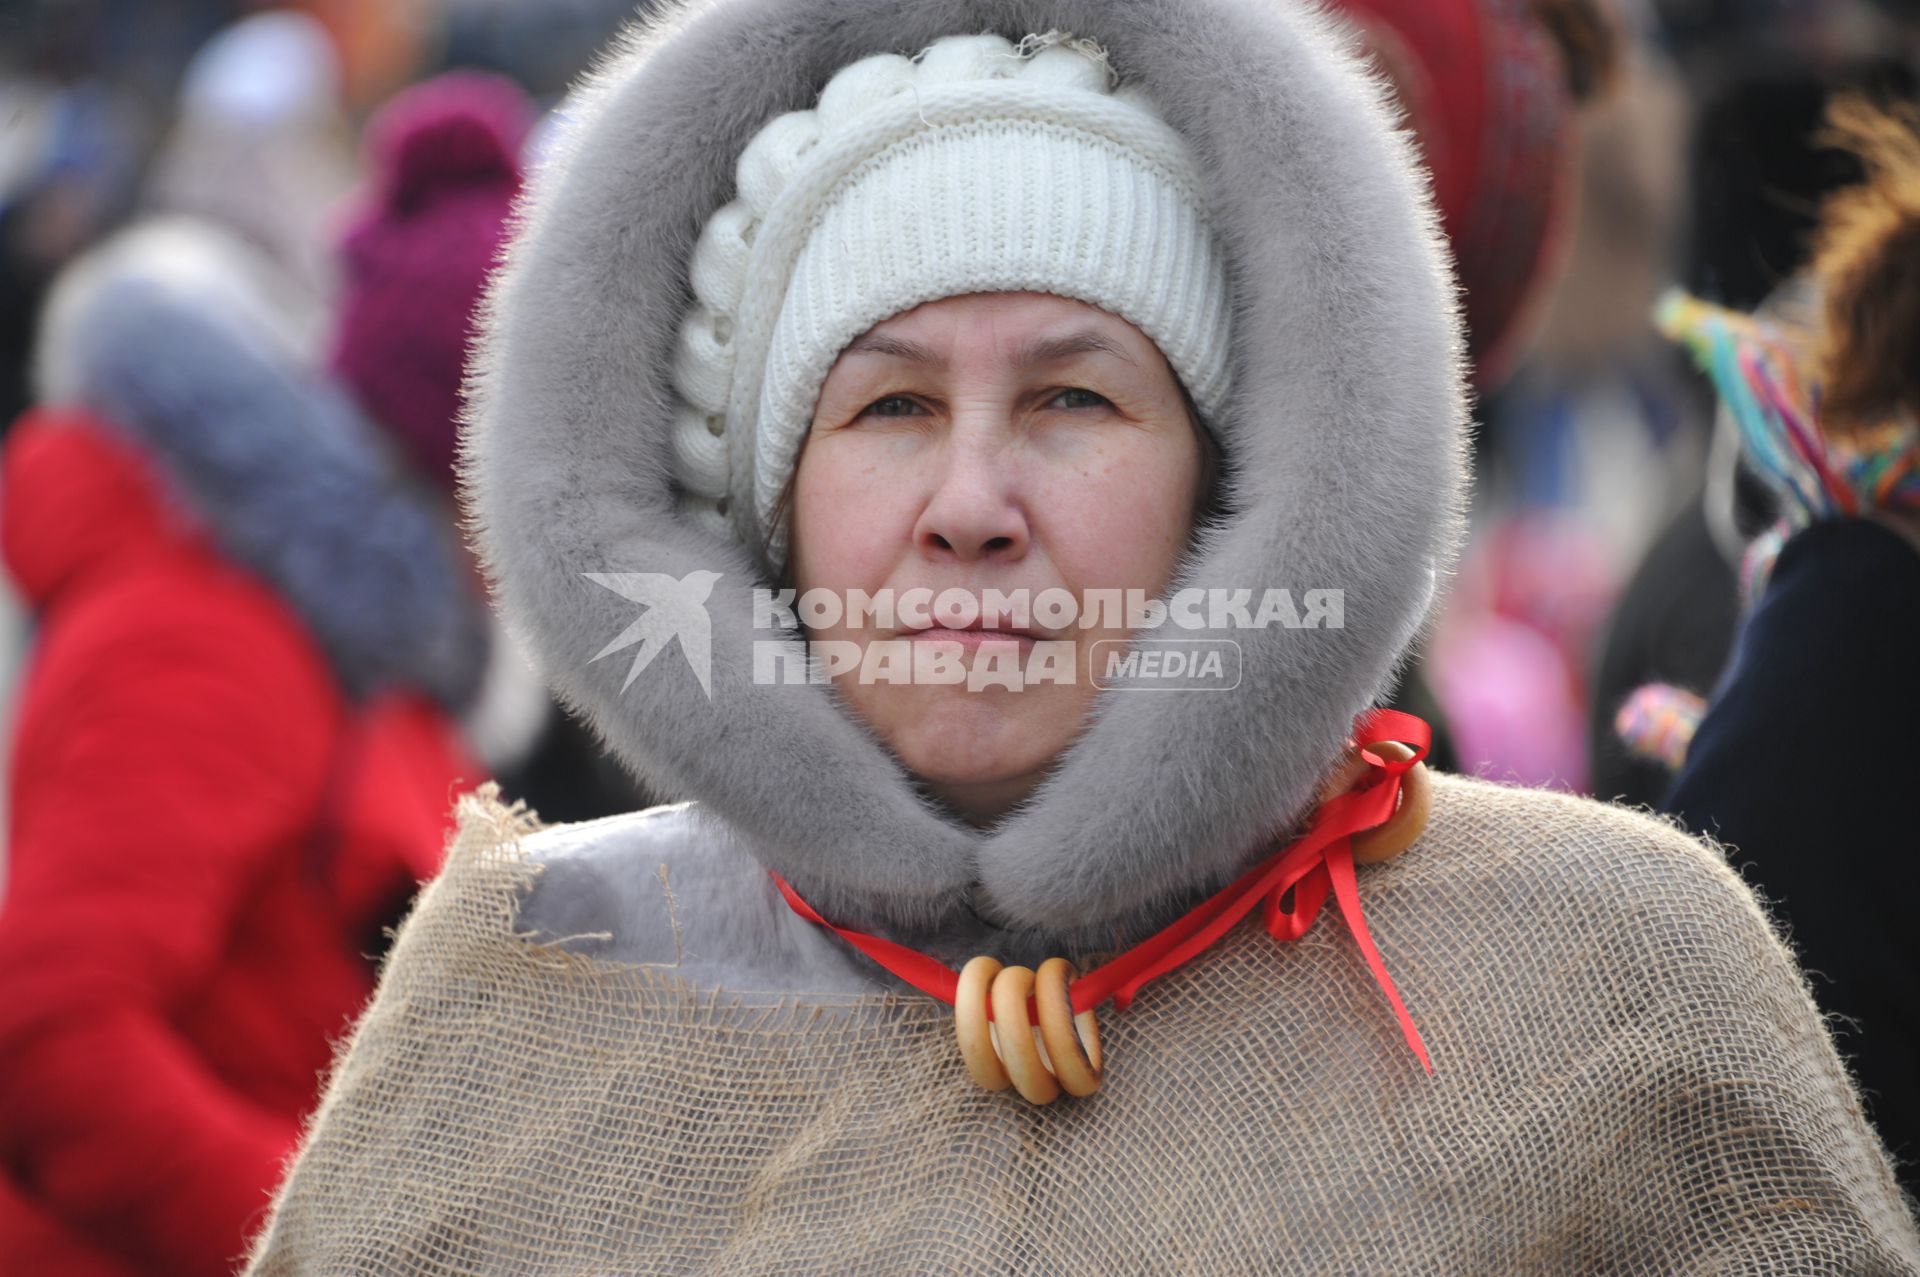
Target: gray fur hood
point(187, 342)
point(1345, 437)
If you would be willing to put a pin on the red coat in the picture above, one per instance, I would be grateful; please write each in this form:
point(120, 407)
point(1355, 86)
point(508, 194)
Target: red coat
point(205, 838)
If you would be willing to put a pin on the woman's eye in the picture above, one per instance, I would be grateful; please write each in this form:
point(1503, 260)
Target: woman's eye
point(1077, 398)
point(891, 406)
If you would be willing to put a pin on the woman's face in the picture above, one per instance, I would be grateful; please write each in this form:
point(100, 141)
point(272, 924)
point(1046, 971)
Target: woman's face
point(1012, 442)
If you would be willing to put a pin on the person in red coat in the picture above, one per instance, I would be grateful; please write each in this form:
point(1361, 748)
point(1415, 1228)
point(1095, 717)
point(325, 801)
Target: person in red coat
point(233, 760)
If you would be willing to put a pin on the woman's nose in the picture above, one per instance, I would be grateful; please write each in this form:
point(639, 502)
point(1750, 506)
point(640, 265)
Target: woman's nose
point(974, 513)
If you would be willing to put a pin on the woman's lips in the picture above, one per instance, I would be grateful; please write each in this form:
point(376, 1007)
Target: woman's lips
point(971, 638)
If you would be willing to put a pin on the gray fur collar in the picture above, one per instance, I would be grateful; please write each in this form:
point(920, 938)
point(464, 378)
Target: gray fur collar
point(186, 341)
point(1346, 437)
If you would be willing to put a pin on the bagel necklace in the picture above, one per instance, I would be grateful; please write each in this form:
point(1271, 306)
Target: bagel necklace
point(1373, 809)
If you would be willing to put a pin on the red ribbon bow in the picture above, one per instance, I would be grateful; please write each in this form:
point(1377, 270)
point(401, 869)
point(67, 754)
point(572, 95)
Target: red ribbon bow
point(1316, 863)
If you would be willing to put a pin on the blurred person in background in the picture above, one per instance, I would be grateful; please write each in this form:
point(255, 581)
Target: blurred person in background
point(1789, 767)
point(1490, 89)
point(541, 46)
point(443, 167)
point(68, 168)
point(1495, 92)
point(261, 144)
point(234, 754)
point(1584, 448)
point(1757, 178)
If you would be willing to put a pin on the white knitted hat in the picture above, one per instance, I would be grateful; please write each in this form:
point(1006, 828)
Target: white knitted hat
point(977, 167)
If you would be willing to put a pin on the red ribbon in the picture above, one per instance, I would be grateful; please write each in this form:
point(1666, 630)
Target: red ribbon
point(1316, 863)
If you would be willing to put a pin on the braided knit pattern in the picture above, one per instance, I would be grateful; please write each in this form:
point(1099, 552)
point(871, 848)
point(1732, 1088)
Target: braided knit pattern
point(980, 166)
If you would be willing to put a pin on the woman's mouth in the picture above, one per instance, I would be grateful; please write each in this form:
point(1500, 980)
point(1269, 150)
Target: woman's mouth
point(972, 637)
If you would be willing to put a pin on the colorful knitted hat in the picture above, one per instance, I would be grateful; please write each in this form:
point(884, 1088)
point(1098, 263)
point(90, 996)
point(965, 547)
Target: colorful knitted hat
point(444, 169)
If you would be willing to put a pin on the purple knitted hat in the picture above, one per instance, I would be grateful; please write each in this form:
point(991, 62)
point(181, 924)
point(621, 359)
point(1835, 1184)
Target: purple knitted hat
point(444, 167)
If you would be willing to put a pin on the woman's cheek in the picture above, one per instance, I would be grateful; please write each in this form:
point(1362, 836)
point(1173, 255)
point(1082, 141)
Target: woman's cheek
point(1120, 518)
point(851, 521)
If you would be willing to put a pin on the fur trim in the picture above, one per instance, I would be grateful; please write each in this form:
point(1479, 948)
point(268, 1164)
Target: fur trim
point(1345, 430)
point(171, 334)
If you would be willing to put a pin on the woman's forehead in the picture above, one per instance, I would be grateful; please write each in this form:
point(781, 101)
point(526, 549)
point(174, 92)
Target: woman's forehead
point(1025, 328)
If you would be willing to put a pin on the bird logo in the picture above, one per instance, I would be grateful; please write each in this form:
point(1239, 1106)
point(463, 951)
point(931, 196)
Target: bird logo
point(676, 608)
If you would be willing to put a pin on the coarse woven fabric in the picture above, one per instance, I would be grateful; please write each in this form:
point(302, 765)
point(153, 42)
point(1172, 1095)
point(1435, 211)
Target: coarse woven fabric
point(1630, 1079)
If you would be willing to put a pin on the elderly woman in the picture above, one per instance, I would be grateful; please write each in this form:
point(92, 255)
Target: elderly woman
point(1091, 378)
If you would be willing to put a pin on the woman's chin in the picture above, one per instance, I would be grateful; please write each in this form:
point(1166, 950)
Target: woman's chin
point(962, 744)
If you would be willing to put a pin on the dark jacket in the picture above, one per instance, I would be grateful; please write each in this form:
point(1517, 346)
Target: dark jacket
point(1799, 767)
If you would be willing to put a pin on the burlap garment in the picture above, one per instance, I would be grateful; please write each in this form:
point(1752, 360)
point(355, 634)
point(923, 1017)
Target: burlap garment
point(1630, 1078)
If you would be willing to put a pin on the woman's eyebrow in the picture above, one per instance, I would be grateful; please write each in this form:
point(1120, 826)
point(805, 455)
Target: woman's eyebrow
point(1047, 350)
point(897, 347)
point(1039, 350)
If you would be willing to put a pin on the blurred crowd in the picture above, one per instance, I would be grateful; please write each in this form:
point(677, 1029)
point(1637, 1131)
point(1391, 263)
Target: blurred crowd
point(240, 249)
